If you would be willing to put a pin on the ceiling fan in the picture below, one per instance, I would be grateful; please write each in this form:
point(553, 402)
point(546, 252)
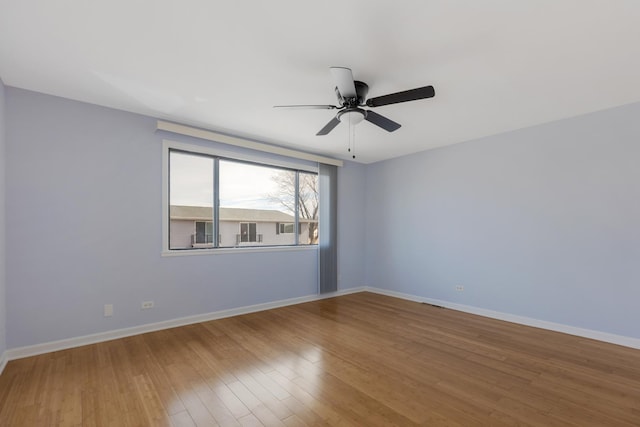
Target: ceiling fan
point(352, 95)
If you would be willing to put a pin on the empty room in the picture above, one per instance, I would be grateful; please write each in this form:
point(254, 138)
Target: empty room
point(337, 213)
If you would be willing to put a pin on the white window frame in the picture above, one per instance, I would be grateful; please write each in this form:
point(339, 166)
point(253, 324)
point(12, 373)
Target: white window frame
point(168, 145)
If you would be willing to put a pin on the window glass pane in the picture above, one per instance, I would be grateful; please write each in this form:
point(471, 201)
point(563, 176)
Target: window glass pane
point(200, 232)
point(248, 232)
point(253, 200)
point(308, 200)
point(204, 233)
point(244, 232)
point(190, 200)
point(252, 232)
point(287, 228)
point(258, 204)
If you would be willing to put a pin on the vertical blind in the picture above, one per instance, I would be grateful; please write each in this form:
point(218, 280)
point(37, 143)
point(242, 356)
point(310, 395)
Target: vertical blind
point(328, 235)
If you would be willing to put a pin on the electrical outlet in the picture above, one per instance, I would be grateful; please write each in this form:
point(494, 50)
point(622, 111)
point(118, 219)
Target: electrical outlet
point(459, 288)
point(108, 310)
point(146, 305)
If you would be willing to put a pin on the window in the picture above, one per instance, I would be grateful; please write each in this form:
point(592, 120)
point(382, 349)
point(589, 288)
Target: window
point(217, 201)
point(285, 228)
point(248, 232)
point(204, 233)
point(190, 200)
point(308, 203)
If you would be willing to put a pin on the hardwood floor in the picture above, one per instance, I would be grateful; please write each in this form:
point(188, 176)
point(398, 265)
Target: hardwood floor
point(356, 360)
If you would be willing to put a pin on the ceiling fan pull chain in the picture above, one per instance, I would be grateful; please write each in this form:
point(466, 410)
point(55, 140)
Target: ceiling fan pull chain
point(349, 135)
point(353, 143)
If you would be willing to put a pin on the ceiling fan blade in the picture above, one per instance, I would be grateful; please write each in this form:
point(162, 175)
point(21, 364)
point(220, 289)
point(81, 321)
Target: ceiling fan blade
point(329, 127)
point(308, 107)
point(344, 81)
point(378, 120)
point(407, 95)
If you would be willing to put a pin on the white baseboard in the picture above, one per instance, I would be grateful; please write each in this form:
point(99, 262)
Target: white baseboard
point(48, 347)
point(4, 358)
point(33, 350)
point(522, 320)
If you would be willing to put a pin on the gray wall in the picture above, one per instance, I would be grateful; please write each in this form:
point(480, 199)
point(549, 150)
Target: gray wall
point(3, 310)
point(83, 208)
point(542, 222)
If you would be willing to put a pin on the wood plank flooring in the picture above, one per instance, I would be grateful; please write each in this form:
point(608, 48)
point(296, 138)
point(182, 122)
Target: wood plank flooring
point(356, 360)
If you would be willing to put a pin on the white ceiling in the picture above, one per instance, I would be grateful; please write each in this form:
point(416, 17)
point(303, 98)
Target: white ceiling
point(495, 65)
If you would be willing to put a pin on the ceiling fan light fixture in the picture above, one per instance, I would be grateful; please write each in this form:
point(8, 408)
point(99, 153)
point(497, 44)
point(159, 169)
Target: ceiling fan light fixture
point(352, 115)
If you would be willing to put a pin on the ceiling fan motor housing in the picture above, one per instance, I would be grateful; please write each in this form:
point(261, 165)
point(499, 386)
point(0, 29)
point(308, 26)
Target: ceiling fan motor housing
point(362, 89)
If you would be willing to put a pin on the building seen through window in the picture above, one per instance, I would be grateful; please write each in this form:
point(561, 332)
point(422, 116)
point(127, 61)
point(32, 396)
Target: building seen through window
point(256, 206)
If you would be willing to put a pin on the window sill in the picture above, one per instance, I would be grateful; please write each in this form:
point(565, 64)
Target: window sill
point(238, 250)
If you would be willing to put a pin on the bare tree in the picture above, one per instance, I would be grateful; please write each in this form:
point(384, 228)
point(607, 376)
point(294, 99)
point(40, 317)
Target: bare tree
point(307, 198)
